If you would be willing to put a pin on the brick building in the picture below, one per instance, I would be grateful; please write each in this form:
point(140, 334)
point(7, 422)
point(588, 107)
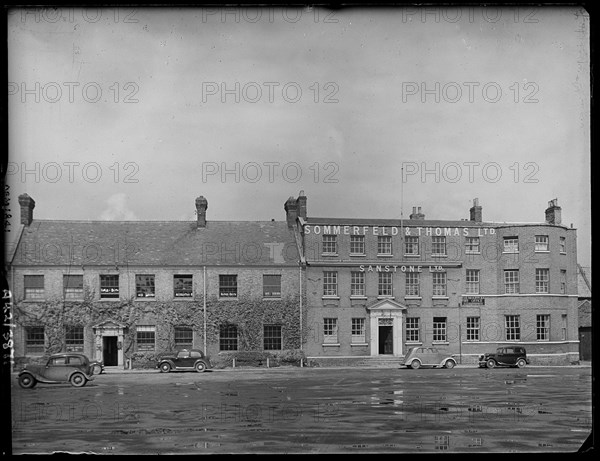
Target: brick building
point(123, 291)
point(376, 287)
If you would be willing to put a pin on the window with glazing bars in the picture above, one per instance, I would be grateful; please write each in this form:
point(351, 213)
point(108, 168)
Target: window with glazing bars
point(385, 284)
point(74, 338)
point(357, 244)
point(73, 286)
point(34, 287)
point(330, 244)
point(357, 283)
point(329, 283)
point(272, 337)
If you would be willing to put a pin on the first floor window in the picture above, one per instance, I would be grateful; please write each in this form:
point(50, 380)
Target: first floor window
point(109, 286)
point(385, 284)
point(511, 245)
point(542, 243)
point(272, 337)
point(358, 331)
point(183, 286)
point(563, 281)
point(438, 246)
point(543, 327)
point(439, 284)
point(472, 280)
point(73, 286)
point(541, 280)
point(144, 286)
point(357, 284)
point(511, 281)
point(563, 245)
point(145, 336)
point(271, 286)
point(228, 337)
point(74, 338)
point(412, 329)
point(439, 329)
point(357, 244)
point(384, 245)
point(412, 284)
point(472, 245)
point(227, 286)
point(330, 244)
point(330, 331)
point(34, 287)
point(563, 333)
point(513, 328)
point(472, 328)
point(411, 245)
point(184, 337)
point(329, 283)
point(34, 340)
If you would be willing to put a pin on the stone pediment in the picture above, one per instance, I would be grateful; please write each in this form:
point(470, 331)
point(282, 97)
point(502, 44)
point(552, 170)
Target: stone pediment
point(386, 305)
point(109, 324)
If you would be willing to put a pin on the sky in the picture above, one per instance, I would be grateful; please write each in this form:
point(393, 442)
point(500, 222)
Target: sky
point(132, 113)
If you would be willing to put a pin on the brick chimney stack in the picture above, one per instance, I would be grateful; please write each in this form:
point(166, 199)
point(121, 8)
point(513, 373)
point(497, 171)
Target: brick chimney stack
point(201, 207)
point(553, 212)
point(291, 211)
point(301, 205)
point(476, 213)
point(27, 206)
point(416, 214)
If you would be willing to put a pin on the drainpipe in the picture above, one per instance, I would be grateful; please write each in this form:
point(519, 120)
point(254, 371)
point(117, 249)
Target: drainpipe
point(204, 301)
point(300, 285)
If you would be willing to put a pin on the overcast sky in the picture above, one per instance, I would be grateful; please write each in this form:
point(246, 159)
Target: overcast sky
point(133, 113)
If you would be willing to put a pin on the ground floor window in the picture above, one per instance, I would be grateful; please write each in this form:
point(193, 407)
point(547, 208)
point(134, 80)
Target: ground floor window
point(145, 336)
point(74, 338)
point(330, 331)
point(184, 337)
point(543, 327)
point(272, 337)
point(412, 329)
point(439, 329)
point(34, 340)
point(513, 328)
point(228, 337)
point(472, 328)
point(358, 331)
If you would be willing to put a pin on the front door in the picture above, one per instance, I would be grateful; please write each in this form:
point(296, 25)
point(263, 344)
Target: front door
point(386, 339)
point(109, 351)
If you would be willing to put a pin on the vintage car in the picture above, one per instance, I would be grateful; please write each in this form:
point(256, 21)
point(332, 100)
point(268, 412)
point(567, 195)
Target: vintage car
point(417, 357)
point(506, 356)
point(67, 367)
point(184, 360)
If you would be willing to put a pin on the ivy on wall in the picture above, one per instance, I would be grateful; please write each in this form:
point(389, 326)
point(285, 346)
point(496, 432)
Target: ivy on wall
point(248, 314)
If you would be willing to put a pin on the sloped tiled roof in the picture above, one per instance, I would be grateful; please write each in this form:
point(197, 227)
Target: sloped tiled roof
point(157, 243)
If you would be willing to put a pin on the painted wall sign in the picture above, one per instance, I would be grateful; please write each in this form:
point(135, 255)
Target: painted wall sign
point(395, 230)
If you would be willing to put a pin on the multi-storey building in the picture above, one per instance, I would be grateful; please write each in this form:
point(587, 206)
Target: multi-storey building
point(376, 287)
point(121, 291)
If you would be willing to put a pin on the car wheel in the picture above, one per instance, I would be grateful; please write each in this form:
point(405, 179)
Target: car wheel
point(200, 367)
point(491, 363)
point(78, 380)
point(415, 364)
point(521, 363)
point(449, 364)
point(165, 367)
point(27, 381)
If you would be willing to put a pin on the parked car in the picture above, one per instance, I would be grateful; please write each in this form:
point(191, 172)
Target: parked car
point(97, 367)
point(66, 367)
point(417, 357)
point(184, 360)
point(506, 356)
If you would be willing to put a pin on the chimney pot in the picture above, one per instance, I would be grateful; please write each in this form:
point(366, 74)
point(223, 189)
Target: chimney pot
point(27, 206)
point(291, 211)
point(416, 214)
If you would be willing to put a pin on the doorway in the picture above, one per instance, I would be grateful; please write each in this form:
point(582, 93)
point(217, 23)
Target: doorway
point(386, 339)
point(109, 351)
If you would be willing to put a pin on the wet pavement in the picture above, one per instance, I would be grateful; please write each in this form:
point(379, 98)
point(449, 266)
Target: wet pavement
point(306, 410)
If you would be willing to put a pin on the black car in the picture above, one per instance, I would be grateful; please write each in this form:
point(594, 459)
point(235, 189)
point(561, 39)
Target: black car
point(67, 367)
point(506, 356)
point(184, 360)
